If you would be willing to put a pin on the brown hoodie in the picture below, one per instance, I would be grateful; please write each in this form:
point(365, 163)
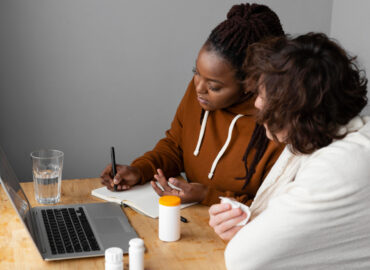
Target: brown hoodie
point(175, 153)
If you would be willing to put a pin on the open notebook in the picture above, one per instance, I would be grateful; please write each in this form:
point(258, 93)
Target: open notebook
point(141, 198)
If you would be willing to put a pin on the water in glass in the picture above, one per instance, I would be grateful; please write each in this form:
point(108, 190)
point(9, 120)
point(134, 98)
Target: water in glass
point(47, 185)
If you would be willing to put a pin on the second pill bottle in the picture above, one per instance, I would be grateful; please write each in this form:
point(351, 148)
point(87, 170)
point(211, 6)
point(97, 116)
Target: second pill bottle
point(169, 218)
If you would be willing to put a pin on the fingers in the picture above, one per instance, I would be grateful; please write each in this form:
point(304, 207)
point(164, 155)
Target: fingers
point(124, 178)
point(106, 183)
point(120, 182)
point(188, 192)
point(106, 173)
point(122, 187)
point(156, 188)
point(161, 192)
point(224, 222)
point(233, 218)
point(228, 218)
point(162, 180)
point(219, 208)
point(176, 189)
point(109, 180)
point(179, 184)
point(106, 177)
point(230, 233)
point(218, 216)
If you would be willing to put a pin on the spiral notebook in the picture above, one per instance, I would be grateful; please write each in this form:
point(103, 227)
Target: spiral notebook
point(141, 198)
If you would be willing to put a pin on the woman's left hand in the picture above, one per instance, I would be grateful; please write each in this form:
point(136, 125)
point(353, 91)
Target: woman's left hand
point(224, 219)
point(188, 192)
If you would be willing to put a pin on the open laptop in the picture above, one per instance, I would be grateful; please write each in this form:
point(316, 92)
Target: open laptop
point(68, 231)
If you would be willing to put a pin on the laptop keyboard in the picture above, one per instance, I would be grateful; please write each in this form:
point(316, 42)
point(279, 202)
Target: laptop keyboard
point(69, 231)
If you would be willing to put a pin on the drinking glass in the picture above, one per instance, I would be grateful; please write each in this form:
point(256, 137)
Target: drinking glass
point(47, 166)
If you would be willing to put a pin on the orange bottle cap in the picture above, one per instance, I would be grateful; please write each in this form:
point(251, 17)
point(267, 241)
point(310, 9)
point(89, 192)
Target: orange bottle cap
point(169, 200)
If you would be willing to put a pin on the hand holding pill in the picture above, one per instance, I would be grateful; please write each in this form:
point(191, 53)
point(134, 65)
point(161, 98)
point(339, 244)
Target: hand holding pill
point(235, 204)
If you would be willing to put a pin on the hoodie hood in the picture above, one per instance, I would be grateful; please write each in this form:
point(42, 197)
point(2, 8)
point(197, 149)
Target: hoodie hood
point(245, 108)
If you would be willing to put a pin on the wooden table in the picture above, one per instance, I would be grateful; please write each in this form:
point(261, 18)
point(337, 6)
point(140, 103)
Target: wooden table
point(199, 247)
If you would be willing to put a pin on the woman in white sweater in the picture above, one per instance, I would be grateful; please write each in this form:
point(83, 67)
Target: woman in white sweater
point(313, 209)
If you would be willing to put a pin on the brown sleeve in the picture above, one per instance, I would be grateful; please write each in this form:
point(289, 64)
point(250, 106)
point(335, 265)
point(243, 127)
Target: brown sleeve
point(167, 154)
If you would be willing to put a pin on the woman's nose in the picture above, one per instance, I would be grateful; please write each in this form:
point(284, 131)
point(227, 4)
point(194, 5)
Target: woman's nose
point(200, 87)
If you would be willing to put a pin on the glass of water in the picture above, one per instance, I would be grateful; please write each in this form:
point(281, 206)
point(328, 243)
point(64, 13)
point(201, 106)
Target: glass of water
point(47, 166)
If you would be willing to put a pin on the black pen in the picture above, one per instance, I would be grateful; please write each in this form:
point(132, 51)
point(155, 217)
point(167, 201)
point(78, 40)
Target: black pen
point(183, 219)
point(114, 170)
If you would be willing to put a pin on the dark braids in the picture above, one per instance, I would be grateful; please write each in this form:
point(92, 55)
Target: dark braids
point(260, 142)
point(245, 25)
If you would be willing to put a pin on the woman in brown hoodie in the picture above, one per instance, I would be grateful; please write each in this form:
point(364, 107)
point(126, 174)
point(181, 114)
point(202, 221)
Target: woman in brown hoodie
point(213, 137)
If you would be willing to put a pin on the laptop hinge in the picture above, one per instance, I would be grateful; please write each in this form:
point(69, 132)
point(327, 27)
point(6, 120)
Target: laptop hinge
point(36, 231)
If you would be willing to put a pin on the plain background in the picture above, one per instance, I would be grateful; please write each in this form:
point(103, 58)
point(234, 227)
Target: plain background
point(83, 75)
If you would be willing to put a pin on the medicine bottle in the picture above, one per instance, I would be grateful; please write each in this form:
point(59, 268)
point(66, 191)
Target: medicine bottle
point(114, 258)
point(136, 254)
point(169, 218)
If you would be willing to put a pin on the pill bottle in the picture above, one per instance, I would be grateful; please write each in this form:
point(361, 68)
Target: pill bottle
point(169, 218)
point(114, 258)
point(136, 254)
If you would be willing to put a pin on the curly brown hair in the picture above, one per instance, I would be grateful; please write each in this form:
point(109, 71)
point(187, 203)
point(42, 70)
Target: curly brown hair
point(313, 87)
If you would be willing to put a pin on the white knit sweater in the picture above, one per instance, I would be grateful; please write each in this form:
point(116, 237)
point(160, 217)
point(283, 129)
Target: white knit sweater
point(312, 211)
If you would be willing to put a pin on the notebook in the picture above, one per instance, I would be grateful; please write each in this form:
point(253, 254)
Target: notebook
point(141, 198)
point(67, 231)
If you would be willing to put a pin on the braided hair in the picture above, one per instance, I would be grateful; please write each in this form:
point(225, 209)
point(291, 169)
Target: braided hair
point(245, 24)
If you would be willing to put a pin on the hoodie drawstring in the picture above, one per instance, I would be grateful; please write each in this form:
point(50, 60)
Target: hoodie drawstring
point(201, 134)
point(224, 147)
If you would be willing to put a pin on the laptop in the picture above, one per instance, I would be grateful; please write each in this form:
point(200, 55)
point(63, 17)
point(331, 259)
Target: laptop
point(68, 231)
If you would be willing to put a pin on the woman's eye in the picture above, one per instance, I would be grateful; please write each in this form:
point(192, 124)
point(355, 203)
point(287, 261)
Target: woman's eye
point(213, 88)
point(194, 70)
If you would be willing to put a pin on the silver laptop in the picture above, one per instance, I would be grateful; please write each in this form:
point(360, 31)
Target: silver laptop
point(68, 231)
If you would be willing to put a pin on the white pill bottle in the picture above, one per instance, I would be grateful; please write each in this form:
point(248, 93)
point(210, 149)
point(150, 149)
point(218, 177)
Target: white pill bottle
point(114, 258)
point(169, 218)
point(136, 254)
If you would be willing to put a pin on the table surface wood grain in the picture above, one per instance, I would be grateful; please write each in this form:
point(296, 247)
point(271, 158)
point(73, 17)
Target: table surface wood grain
point(199, 247)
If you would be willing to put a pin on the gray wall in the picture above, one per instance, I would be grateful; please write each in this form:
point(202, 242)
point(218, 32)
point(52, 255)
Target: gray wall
point(350, 26)
point(82, 75)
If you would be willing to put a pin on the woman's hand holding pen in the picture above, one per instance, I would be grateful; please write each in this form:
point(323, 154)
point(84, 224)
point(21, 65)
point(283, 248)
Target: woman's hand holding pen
point(189, 192)
point(125, 178)
point(224, 219)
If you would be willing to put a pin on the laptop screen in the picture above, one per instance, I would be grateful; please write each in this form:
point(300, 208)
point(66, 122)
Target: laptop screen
point(15, 192)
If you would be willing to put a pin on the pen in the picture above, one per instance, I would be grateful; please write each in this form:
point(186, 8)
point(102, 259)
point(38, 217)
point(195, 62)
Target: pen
point(114, 170)
point(183, 219)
